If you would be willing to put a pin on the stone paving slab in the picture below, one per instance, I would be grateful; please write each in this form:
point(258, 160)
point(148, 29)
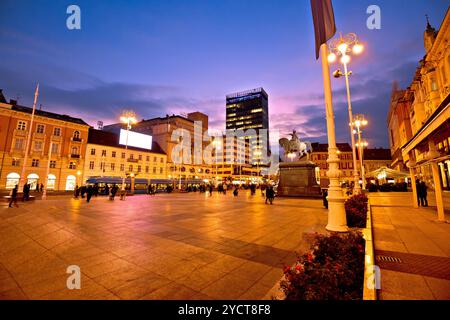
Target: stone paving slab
point(419, 240)
point(178, 246)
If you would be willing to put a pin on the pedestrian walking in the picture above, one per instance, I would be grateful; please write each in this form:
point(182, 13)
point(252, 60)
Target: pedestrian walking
point(270, 195)
point(41, 188)
point(14, 197)
point(236, 191)
point(26, 192)
point(83, 191)
point(76, 192)
point(89, 192)
point(113, 192)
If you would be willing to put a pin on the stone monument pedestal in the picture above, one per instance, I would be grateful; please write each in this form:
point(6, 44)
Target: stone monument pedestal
point(298, 179)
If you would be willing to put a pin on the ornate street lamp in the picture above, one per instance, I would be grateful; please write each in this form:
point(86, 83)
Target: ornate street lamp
point(128, 117)
point(360, 122)
point(342, 47)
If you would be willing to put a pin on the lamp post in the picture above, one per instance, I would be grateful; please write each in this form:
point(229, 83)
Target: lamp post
point(47, 171)
point(258, 154)
point(337, 220)
point(360, 121)
point(129, 118)
point(342, 47)
point(217, 147)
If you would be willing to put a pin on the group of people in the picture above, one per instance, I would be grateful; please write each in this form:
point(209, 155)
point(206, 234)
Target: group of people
point(422, 193)
point(26, 193)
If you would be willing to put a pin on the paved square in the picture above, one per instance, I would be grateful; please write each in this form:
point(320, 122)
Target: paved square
point(178, 246)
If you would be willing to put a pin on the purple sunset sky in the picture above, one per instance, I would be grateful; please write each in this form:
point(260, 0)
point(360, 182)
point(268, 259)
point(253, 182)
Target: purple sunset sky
point(165, 57)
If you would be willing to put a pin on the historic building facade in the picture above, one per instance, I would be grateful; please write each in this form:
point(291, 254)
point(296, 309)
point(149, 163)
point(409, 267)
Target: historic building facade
point(57, 147)
point(320, 156)
point(427, 152)
point(399, 125)
point(162, 130)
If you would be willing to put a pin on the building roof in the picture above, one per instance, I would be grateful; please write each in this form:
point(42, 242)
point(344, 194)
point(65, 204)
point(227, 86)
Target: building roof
point(111, 139)
point(46, 114)
point(377, 154)
point(323, 147)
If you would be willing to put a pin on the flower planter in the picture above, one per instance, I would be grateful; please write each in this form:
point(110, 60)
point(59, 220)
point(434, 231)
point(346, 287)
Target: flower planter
point(369, 288)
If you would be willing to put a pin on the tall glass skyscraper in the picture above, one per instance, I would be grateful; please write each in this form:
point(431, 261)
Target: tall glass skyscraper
point(249, 110)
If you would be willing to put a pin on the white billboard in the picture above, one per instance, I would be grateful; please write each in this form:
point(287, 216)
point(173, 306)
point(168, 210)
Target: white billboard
point(135, 139)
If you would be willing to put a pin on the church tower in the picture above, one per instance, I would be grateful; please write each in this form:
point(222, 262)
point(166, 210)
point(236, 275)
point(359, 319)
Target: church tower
point(429, 36)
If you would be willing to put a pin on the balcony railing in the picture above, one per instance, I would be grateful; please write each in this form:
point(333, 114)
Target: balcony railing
point(74, 139)
point(133, 160)
point(75, 156)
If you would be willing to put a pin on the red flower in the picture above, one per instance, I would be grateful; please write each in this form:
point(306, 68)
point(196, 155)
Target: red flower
point(310, 257)
point(299, 267)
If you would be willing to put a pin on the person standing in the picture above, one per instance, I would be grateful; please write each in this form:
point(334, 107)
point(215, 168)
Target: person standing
point(76, 192)
point(419, 193)
point(14, 197)
point(424, 190)
point(325, 198)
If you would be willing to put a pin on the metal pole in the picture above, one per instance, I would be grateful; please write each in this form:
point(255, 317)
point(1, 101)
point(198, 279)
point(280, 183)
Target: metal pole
point(27, 146)
point(361, 159)
point(357, 188)
point(126, 154)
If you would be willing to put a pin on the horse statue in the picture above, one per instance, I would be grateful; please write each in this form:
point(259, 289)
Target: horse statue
point(296, 146)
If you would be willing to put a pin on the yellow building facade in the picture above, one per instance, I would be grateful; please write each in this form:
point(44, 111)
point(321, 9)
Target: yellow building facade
point(105, 157)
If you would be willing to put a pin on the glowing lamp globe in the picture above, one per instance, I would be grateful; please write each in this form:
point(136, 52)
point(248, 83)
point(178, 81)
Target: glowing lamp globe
point(358, 48)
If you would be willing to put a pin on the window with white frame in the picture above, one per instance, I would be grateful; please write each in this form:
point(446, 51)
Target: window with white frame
point(75, 151)
point(35, 163)
point(40, 128)
point(76, 134)
point(91, 165)
point(52, 164)
point(55, 148)
point(19, 144)
point(15, 162)
point(57, 132)
point(38, 145)
point(72, 165)
point(22, 125)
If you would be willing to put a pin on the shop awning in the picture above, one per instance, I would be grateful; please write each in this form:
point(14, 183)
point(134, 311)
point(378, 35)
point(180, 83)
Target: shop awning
point(385, 172)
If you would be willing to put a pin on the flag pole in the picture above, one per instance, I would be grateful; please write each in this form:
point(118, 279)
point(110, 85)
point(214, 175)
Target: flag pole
point(337, 220)
point(27, 145)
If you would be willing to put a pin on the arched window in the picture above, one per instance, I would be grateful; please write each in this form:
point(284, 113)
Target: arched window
point(76, 134)
point(51, 182)
point(12, 180)
point(75, 151)
point(71, 183)
point(33, 180)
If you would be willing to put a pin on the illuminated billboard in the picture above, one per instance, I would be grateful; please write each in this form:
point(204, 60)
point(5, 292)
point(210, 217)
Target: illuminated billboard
point(135, 139)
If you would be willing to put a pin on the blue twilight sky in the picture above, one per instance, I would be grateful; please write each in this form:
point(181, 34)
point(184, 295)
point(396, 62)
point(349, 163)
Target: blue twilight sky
point(164, 57)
